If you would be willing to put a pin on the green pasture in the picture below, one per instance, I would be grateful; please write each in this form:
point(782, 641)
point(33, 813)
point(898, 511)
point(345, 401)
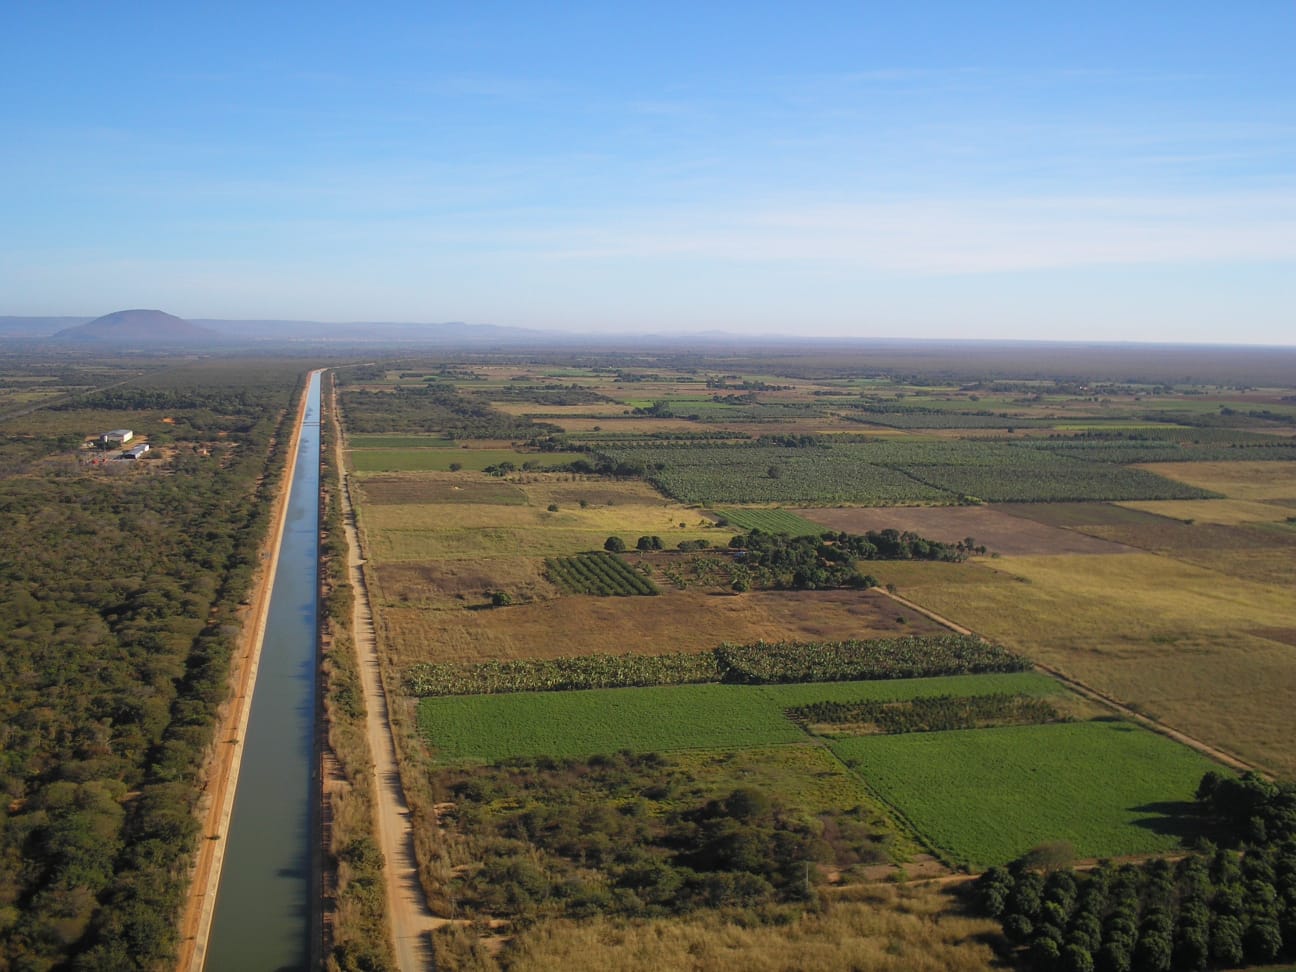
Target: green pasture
point(771, 521)
point(986, 796)
point(439, 460)
point(487, 728)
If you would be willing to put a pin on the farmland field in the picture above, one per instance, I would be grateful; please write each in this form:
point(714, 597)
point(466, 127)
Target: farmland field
point(986, 796)
point(891, 472)
point(1137, 541)
point(400, 442)
point(999, 531)
point(771, 521)
point(486, 728)
point(405, 459)
point(1260, 481)
point(429, 624)
point(1168, 637)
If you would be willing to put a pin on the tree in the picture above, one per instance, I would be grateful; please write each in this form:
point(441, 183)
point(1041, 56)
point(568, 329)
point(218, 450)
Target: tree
point(614, 545)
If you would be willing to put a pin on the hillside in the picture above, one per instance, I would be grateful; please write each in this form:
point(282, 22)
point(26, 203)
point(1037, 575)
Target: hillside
point(138, 327)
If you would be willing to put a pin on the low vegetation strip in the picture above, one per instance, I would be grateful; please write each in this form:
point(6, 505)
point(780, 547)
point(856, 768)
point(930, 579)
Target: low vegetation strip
point(561, 674)
point(756, 664)
point(769, 521)
point(929, 714)
point(880, 658)
point(986, 796)
point(597, 573)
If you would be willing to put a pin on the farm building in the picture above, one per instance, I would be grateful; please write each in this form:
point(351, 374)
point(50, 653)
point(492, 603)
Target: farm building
point(135, 452)
point(116, 437)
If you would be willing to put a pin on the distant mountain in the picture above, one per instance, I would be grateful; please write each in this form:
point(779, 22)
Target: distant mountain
point(381, 332)
point(136, 328)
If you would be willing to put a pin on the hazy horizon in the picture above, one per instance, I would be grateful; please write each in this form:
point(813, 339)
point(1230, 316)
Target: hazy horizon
point(937, 171)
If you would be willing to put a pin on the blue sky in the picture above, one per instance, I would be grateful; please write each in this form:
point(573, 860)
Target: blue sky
point(1100, 170)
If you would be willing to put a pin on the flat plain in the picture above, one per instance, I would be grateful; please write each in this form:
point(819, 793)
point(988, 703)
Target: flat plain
point(1163, 585)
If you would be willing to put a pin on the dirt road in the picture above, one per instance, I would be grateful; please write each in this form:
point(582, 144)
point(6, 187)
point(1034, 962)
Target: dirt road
point(411, 922)
point(223, 772)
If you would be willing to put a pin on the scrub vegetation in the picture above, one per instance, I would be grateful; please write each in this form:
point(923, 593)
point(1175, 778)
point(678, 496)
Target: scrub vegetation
point(122, 587)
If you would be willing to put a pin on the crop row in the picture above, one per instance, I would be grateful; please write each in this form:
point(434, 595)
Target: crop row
point(1071, 481)
point(561, 674)
point(760, 663)
point(1161, 450)
point(770, 521)
point(842, 661)
point(931, 714)
point(597, 573)
point(889, 473)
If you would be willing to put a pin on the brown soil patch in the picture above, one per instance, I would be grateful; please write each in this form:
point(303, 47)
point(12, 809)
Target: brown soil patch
point(1076, 515)
point(674, 621)
point(1284, 636)
point(1000, 532)
point(397, 490)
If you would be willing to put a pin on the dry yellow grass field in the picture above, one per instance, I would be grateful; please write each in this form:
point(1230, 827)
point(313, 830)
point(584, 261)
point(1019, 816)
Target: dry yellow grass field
point(1237, 480)
point(1177, 640)
point(674, 621)
point(1226, 512)
point(425, 532)
point(887, 930)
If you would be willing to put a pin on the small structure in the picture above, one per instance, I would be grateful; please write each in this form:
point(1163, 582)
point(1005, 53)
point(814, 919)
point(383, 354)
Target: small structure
point(116, 437)
point(135, 452)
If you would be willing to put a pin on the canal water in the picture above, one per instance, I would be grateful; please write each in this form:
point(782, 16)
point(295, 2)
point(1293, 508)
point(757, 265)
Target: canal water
point(264, 908)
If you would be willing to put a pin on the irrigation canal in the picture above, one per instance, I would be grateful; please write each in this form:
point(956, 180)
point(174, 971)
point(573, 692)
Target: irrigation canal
point(265, 914)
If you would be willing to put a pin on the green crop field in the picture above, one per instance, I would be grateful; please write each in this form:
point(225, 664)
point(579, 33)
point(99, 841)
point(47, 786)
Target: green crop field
point(908, 470)
point(486, 728)
point(439, 460)
point(986, 796)
point(771, 521)
point(597, 573)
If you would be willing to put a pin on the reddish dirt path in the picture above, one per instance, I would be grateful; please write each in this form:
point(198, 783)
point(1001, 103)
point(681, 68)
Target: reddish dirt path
point(407, 911)
point(223, 769)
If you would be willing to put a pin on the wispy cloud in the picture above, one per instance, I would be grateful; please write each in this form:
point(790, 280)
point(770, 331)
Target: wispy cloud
point(955, 236)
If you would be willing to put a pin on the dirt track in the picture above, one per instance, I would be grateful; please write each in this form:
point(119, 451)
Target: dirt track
point(411, 922)
point(222, 773)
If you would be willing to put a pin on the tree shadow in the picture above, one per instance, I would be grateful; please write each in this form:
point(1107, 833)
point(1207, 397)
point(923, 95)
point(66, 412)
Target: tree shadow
point(1172, 818)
